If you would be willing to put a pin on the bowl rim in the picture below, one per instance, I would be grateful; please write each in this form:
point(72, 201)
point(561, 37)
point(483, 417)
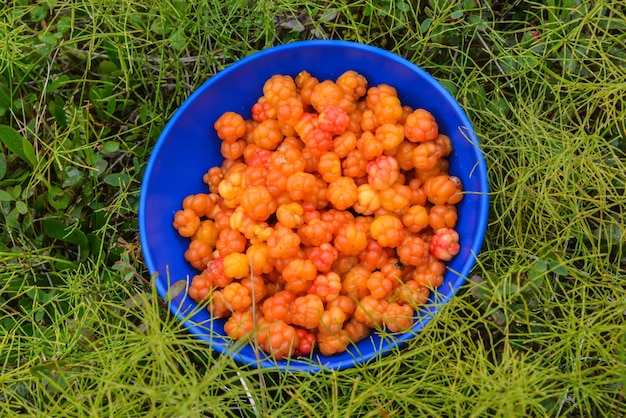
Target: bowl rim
point(310, 365)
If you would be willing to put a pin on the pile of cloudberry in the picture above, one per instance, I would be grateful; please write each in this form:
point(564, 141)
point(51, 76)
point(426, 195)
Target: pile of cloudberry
point(331, 215)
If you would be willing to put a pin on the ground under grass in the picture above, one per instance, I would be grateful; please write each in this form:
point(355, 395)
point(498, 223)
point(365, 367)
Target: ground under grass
point(539, 329)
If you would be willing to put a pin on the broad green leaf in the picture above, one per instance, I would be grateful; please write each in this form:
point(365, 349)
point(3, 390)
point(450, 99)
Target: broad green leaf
point(110, 147)
point(58, 230)
point(5, 197)
point(17, 144)
point(60, 81)
point(117, 179)
point(178, 40)
point(3, 164)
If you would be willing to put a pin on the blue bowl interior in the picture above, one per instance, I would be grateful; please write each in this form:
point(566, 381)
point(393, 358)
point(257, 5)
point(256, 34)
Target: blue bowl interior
point(188, 147)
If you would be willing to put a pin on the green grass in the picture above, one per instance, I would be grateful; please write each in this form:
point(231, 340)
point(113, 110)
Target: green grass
point(540, 328)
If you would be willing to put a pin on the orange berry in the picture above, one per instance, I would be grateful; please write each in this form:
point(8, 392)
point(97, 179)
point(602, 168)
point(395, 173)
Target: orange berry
point(236, 265)
point(279, 88)
point(370, 311)
point(354, 165)
point(258, 202)
point(213, 177)
point(368, 200)
point(267, 134)
point(239, 325)
point(283, 243)
point(369, 145)
point(412, 293)
point(305, 83)
point(327, 93)
point(230, 127)
point(374, 255)
point(276, 307)
point(355, 330)
point(256, 287)
point(390, 135)
point(395, 199)
point(230, 241)
point(342, 193)
point(429, 274)
point(420, 126)
point(425, 155)
point(288, 112)
point(388, 230)
point(200, 288)
point(237, 297)
point(290, 214)
point(382, 172)
point(186, 222)
point(375, 93)
point(301, 185)
point(207, 232)
point(332, 343)
point(413, 251)
point(278, 339)
point(329, 166)
point(306, 311)
point(332, 320)
point(352, 84)
point(198, 254)
point(379, 285)
point(415, 218)
point(334, 119)
point(398, 318)
point(262, 110)
point(404, 154)
point(327, 286)
point(350, 239)
point(354, 282)
point(344, 143)
point(443, 189)
point(388, 110)
point(442, 216)
point(299, 268)
point(233, 150)
point(215, 273)
point(202, 204)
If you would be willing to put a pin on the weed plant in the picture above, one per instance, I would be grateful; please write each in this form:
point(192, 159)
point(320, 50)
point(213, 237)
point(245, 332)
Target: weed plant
point(87, 86)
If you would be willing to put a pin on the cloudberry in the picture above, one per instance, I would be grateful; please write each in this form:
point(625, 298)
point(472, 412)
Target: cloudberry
point(390, 135)
point(334, 119)
point(370, 311)
point(398, 318)
point(342, 193)
point(186, 222)
point(278, 339)
point(344, 143)
point(445, 244)
point(388, 110)
point(237, 297)
point(200, 288)
point(207, 232)
point(353, 84)
point(236, 265)
point(442, 216)
point(323, 256)
point(258, 202)
point(239, 325)
point(279, 88)
point(306, 311)
point(350, 239)
point(415, 218)
point(413, 251)
point(198, 254)
point(382, 172)
point(329, 166)
point(379, 285)
point(276, 308)
point(267, 134)
point(230, 127)
point(420, 126)
point(388, 230)
point(369, 146)
point(327, 286)
point(443, 189)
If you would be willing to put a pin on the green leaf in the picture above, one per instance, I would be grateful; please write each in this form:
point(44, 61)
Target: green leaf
point(5, 197)
point(3, 165)
point(58, 198)
point(110, 147)
point(178, 40)
point(17, 144)
point(59, 82)
point(58, 230)
point(5, 102)
point(175, 290)
point(426, 24)
point(117, 179)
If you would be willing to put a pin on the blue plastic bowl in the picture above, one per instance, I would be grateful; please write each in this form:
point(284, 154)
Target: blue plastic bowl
point(188, 147)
